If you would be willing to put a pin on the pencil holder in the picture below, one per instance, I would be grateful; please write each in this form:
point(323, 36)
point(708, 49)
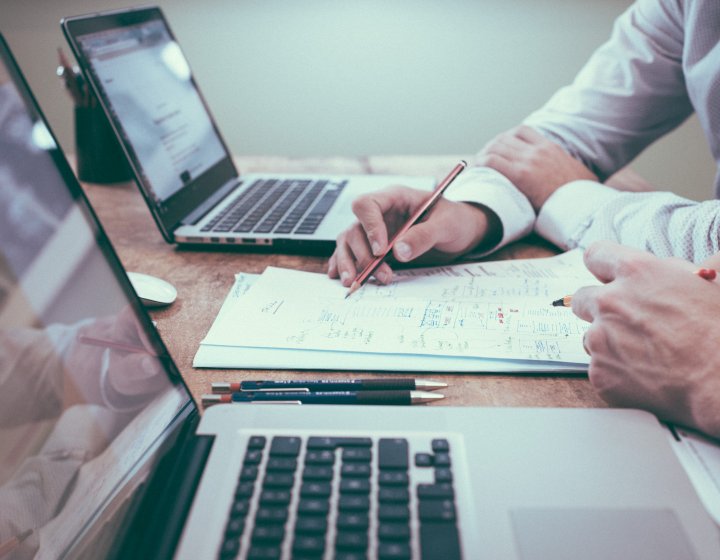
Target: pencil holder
point(100, 158)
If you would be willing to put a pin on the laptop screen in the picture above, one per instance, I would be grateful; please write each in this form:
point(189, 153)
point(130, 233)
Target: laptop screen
point(145, 84)
point(88, 390)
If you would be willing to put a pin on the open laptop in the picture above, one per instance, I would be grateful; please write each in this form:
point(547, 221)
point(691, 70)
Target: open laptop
point(103, 453)
point(185, 172)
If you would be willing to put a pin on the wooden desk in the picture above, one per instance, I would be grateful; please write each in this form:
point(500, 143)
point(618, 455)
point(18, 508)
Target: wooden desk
point(203, 279)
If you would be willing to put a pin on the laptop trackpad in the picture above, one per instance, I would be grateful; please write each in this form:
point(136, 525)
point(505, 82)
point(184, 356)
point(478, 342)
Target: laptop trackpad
point(599, 534)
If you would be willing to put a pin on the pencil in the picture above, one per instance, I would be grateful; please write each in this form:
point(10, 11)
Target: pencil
point(105, 343)
point(424, 208)
point(708, 274)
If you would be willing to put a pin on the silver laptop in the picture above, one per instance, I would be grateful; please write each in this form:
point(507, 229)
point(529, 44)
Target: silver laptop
point(104, 455)
point(184, 170)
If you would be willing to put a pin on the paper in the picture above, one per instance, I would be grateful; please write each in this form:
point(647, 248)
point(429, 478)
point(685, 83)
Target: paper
point(494, 316)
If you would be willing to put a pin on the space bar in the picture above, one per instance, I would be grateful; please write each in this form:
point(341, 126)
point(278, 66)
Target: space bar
point(439, 541)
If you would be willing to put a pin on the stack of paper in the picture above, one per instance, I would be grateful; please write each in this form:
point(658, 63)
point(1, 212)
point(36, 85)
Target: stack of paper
point(484, 317)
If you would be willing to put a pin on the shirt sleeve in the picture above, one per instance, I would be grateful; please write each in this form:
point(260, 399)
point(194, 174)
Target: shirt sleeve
point(485, 186)
point(662, 223)
point(629, 93)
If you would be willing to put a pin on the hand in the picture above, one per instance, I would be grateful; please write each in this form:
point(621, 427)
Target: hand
point(535, 165)
point(451, 229)
point(129, 374)
point(653, 339)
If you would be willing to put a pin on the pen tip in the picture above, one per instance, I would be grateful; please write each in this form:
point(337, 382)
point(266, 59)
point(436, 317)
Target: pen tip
point(428, 385)
point(353, 288)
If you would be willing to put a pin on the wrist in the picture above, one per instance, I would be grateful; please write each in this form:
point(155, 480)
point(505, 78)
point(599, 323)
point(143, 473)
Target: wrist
point(488, 228)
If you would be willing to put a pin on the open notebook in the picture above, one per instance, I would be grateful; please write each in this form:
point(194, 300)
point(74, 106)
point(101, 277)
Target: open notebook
point(483, 317)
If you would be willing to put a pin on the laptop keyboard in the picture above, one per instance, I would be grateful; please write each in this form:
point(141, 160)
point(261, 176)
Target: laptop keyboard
point(278, 206)
point(345, 498)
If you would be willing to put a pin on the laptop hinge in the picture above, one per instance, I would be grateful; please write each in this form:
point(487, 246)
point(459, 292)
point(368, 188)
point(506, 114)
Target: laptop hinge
point(161, 514)
point(196, 215)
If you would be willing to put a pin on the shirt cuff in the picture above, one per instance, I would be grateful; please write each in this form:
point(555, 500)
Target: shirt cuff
point(569, 211)
point(482, 185)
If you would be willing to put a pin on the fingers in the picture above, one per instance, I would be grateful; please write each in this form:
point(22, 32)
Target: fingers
point(608, 260)
point(585, 302)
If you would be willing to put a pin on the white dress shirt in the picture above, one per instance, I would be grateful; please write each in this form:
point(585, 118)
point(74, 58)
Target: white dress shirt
point(661, 63)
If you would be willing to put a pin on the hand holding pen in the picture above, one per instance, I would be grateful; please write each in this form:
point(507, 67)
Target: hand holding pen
point(449, 229)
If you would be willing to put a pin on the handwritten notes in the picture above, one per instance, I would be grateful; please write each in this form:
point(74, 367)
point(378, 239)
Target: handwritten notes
point(494, 310)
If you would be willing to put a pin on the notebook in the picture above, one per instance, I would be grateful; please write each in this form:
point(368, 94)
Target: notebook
point(179, 159)
point(104, 455)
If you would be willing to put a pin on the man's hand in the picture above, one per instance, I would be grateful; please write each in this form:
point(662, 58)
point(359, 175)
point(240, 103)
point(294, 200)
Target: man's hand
point(653, 339)
point(535, 165)
point(451, 229)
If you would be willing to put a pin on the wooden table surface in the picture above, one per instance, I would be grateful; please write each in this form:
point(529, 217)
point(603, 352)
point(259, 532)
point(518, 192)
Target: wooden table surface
point(204, 277)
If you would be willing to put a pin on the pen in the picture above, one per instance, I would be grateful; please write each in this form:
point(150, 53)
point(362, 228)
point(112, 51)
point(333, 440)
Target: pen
point(11, 544)
point(328, 397)
point(71, 78)
point(105, 343)
point(708, 274)
point(297, 385)
point(361, 278)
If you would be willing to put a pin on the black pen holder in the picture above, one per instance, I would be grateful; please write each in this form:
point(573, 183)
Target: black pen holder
point(100, 159)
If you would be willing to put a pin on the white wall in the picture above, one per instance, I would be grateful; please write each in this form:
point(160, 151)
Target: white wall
point(344, 77)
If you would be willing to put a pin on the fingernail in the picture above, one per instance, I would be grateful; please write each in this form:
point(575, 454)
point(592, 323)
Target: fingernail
point(402, 250)
point(344, 276)
point(376, 248)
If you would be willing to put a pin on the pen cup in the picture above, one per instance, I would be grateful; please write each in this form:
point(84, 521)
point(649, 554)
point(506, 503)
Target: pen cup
point(100, 158)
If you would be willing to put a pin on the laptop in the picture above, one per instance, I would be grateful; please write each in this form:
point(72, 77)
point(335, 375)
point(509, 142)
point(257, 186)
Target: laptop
point(103, 454)
point(140, 76)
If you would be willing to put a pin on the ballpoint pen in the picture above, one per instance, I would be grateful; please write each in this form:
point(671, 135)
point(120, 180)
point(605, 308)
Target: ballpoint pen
point(424, 208)
point(297, 385)
point(327, 397)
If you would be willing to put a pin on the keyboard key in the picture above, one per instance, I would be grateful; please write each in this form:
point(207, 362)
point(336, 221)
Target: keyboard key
point(256, 442)
point(271, 515)
point(423, 460)
point(353, 540)
point(443, 475)
point(283, 464)
point(350, 555)
point(253, 457)
point(393, 495)
point(355, 470)
point(245, 490)
point(393, 512)
point(309, 544)
point(278, 480)
point(308, 506)
point(393, 453)
point(439, 541)
point(393, 478)
point(354, 486)
point(394, 551)
point(435, 491)
point(436, 510)
point(317, 473)
point(353, 521)
point(351, 502)
point(268, 534)
point(263, 553)
point(440, 446)
point(315, 489)
point(324, 457)
point(285, 447)
point(311, 524)
point(356, 455)
point(248, 473)
point(239, 508)
point(235, 526)
point(275, 497)
point(394, 531)
point(442, 460)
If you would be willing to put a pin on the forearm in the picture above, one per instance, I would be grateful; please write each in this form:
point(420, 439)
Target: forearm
point(659, 222)
point(630, 92)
